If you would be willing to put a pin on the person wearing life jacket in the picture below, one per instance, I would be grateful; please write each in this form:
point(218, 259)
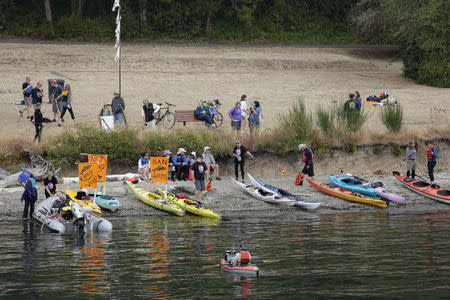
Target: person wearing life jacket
point(27, 88)
point(66, 97)
point(307, 158)
point(180, 162)
point(242, 257)
point(61, 207)
point(148, 113)
point(29, 195)
point(144, 166)
point(432, 153)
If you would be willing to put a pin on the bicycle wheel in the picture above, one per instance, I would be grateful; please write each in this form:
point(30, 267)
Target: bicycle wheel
point(168, 120)
point(219, 119)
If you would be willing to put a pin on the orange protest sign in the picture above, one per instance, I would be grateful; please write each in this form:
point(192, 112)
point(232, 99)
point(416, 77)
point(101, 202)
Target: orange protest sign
point(159, 169)
point(88, 174)
point(102, 161)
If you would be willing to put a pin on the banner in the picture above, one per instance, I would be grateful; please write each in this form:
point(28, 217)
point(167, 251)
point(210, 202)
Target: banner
point(159, 169)
point(24, 178)
point(116, 4)
point(102, 161)
point(87, 173)
point(117, 54)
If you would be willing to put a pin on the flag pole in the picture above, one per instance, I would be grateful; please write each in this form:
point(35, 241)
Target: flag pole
point(120, 59)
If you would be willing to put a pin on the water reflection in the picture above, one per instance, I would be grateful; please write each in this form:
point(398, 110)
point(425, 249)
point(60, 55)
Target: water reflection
point(158, 266)
point(29, 259)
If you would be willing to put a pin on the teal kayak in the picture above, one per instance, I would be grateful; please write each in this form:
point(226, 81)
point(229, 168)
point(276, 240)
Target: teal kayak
point(106, 202)
point(353, 184)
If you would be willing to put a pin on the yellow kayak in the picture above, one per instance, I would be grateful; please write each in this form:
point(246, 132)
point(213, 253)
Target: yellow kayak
point(190, 206)
point(88, 203)
point(154, 200)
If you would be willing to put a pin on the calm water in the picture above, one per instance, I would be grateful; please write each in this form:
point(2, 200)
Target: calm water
point(400, 256)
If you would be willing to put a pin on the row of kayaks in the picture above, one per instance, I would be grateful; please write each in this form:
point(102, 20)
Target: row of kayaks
point(177, 204)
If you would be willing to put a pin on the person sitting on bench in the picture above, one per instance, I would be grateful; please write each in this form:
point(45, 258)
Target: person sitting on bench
point(203, 114)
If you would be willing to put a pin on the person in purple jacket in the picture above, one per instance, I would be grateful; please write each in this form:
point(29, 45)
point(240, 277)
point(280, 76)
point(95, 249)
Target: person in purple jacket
point(236, 117)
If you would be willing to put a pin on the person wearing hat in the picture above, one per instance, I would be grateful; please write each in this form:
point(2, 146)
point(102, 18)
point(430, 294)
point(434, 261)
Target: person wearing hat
point(180, 162)
point(56, 91)
point(148, 113)
point(50, 185)
point(118, 108)
point(239, 152)
point(211, 164)
point(38, 122)
point(81, 195)
point(307, 158)
point(27, 88)
point(411, 159)
point(106, 110)
point(171, 170)
point(198, 172)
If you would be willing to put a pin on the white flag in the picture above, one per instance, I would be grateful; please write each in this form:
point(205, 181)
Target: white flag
point(118, 29)
point(118, 18)
point(116, 5)
point(117, 42)
point(117, 54)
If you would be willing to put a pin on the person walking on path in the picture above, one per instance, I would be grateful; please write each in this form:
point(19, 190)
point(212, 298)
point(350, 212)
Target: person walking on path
point(50, 185)
point(211, 164)
point(29, 196)
point(239, 152)
point(411, 159)
point(38, 123)
point(66, 96)
point(307, 158)
point(36, 94)
point(198, 172)
point(148, 113)
point(118, 108)
point(180, 162)
point(27, 88)
point(254, 118)
point(432, 154)
point(236, 117)
point(244, 110)
point(57, 90)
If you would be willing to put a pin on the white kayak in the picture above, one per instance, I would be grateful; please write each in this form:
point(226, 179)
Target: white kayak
point(305, 204)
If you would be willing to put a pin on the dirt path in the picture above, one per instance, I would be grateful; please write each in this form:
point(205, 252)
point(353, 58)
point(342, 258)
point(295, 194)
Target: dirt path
point(182, 75)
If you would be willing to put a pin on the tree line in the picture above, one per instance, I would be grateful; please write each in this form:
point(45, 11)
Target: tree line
point(421, 28)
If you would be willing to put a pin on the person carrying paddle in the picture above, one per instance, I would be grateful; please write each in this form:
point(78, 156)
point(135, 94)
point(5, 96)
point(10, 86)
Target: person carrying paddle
point(239, 152)
point(307, 158)
point(198, 172)
point(432, 153)
point(411, 159)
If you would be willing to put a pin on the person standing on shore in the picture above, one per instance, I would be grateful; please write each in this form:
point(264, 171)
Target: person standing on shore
point(307, 158)
point(198, 176)
point(118, 108)
point(239, 153)
point(27, 88)
point(180, 162)
point(244, 110)
point(411, 159)
point(50, 185)
point(432, 154)
point(57, 90)
point(171, 170)
point(38, 123)
point(148, 113)
point(29, 196)
point(236, 116)
point(358, 101)
point(66, 96)
point(36, 94)
point(253, 119)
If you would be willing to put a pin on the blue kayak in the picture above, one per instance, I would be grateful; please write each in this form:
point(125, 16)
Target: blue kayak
point(353, 184)
point(106, 202)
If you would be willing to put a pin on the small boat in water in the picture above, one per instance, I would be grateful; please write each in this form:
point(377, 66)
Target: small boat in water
point(245, 270)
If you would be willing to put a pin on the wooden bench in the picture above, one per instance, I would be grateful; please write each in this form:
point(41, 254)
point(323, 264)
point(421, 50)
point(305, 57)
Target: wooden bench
point(186, 116)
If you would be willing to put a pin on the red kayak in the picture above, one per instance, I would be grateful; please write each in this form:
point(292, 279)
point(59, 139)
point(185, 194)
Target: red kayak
point(246, 270)
point(424, 188)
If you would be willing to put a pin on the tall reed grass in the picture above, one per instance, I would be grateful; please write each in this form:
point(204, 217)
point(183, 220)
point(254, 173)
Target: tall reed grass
point(296, 125)
point(392, 117)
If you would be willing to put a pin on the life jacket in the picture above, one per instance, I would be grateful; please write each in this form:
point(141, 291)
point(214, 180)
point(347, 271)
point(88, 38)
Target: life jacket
point(144, 160)
point(180, 158)
point(29, 89)
point(430, 152)
point(304, 155)
point(245, 257)
point(148, 111)
point(65, 95)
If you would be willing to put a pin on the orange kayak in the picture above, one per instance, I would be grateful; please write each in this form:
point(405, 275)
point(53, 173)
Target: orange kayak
point(245, 270)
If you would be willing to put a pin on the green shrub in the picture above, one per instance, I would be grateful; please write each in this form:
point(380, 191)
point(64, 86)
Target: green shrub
point(326, 120)
point(396, 149)
point(296, 124)
point(351, 146)
point(377, 149)
point(392, 117)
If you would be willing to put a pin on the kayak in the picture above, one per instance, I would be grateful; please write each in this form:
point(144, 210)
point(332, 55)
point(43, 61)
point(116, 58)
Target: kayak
point(106, 202)
point(352, 184)
point(88, 220)
point(86, 203)
point(309, 205)
point(345, 194)
point(154, 200)
point(424, 188)
point(245, 270)
point(190, 205)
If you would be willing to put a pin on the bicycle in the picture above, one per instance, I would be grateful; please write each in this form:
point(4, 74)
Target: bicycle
point(168, 118)
point(218, 117)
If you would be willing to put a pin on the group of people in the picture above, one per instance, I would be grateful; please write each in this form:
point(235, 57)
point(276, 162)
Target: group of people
point(411, 159)
point(30, 193)
point(206, 112)
point(354, 103)
point(240, 114)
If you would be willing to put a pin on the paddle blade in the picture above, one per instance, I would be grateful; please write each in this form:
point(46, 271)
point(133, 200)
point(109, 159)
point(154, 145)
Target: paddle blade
point(299, 179)
point(210, 266)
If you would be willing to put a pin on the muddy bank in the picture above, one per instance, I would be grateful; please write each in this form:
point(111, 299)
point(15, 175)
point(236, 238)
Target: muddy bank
point(229, 201)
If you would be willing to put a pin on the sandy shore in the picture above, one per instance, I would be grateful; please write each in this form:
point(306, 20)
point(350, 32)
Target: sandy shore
point(185, 74)
point(229, 201)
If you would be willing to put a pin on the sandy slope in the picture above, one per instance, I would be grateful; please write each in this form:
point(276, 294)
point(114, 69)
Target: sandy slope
point(184, 74)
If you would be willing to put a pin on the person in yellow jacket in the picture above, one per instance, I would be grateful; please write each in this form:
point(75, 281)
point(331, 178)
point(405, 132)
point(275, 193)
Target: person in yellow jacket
point(61, 207)
point(66, 97)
